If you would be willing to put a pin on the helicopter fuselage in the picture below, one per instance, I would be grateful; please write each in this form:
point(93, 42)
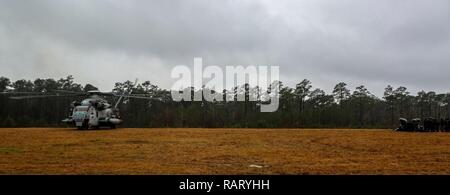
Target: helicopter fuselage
point(93, 112)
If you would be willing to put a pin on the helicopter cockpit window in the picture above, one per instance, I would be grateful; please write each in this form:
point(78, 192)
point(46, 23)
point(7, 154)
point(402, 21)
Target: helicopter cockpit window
point(81, 109)
point(86, 102)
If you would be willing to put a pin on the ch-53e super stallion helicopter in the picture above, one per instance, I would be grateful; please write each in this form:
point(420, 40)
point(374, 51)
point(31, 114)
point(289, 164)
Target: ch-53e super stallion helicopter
point(92, 112)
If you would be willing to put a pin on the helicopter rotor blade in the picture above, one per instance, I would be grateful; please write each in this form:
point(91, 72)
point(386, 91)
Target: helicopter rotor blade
point(44, 93)
point(108, 93)
point(19, 92)
point(69, 92)
point(135, 96)
point(143, 94)
point(41, 96)
point(121, 96)
point(83, 92)
point(146, 97)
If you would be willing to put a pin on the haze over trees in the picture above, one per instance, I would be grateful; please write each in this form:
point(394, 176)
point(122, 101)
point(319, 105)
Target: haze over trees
point(300, 107)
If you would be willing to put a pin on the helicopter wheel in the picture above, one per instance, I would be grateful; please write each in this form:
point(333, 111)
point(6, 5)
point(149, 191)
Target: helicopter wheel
point(85, 126)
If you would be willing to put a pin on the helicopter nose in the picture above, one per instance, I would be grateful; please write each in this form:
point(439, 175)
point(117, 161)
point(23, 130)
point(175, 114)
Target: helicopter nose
point(80, 115)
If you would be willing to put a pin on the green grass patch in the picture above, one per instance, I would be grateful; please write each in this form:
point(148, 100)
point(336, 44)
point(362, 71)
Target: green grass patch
point(9, 150)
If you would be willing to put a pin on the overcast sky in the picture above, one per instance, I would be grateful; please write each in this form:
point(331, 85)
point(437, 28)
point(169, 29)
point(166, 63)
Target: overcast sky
point(360, 42)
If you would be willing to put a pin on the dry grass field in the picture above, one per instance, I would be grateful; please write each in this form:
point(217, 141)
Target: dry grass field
point(222, 151)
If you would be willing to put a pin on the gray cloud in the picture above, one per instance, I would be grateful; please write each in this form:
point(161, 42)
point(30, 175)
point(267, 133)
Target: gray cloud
point(375, 43)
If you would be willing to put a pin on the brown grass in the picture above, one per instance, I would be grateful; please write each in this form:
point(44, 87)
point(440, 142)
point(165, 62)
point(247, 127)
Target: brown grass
point(222, 151)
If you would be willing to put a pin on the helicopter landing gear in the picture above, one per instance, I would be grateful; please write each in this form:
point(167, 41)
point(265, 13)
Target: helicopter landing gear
point(84, 126)
point(112, 126)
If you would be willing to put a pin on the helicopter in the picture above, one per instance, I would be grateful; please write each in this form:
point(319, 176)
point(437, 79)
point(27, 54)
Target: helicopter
point(92, 112)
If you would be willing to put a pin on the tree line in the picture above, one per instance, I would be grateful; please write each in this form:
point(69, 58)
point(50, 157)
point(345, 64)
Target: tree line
point(301, 106)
